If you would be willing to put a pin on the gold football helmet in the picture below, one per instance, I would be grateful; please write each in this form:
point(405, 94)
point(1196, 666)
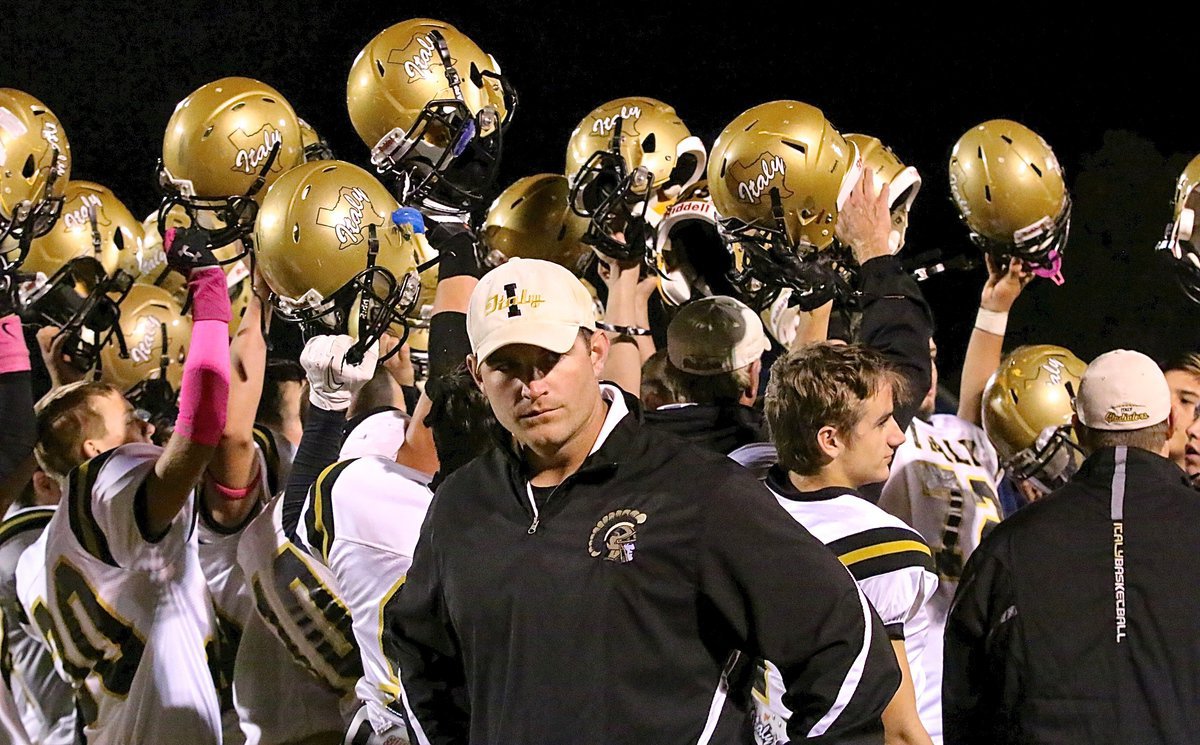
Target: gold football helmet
point(904, 182)
point(532, 220)
point(156, 336)
point(1009, 190)
point(224, 144)
point(329, 246)
point(693, 260)
point(1027, 409)
point(1182, 239)
point(314, 145)
point(626, 161)
point(35, 165)
point(778, 175)
point(433, 107)
point(93, 223)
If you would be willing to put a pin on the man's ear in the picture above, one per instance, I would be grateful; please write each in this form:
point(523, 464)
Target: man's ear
point(473, 368)
point(90, 449)
point(829, 441)
point(45, 488)
point(598, 347)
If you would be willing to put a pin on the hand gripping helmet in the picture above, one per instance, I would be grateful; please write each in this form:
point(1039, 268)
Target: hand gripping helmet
point(433, 107)
point(1009, 190)
point(224, 145)
point(692, 258)
point(532, 220)
point(778, 175)
point(625, 160)
point(330, 248)
point(93, 223)
point(1182, 239)
point(904, 182)
point(1027, 408)
point(314, 145)
point(35, 164)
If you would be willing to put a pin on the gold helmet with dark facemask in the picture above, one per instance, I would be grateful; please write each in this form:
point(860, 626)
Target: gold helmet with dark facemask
point(1182, 239)
point(627, 161)
point(1009, 190)
point(326, 239)
point(778, 174)
point(532, 220)
point(35, 165)
point(149, 266)
point(93, 223)
point(314, 145)
point(149, 316)
point(903, 182)
point(224, 145)
point(432, 107)
point(1027, 409)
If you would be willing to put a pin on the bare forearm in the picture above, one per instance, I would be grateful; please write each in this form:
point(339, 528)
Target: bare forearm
point(983, 358)
point(901, 724)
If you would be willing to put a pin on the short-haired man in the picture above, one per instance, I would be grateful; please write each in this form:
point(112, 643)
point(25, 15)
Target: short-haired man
point(714, 350)
point(1183, 378)
point(595, 582)
point(1076, 619)
point(830, 410)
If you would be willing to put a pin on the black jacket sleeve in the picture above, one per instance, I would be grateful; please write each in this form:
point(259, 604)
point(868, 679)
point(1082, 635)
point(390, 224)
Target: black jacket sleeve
point(19, 432)
point(982, 619)
point(427, 651)
point(783, 596)
point(319, 448)
point(896, 321)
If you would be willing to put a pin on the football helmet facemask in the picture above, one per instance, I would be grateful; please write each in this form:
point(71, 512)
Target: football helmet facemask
point(433, 108)
point(778, 175)
point(224, 145)
point(1009, 190)
point(1027, 409)
point(335, 254)
point(35, 165)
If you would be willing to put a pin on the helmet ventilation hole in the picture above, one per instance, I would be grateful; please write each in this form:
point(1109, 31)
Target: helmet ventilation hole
point(238, 106)
point(1036, 170)
point(207, 132)
point(476, 76)
point(836, 163)
point(562, 231)
point(750, 126)
point(379, 68)
point(519, 200)
point(268, 99)
point(987, 192)
point(650, 143)
point(119, 240)
point(979, 152)
point(1016, 399)
point(799, 147)
point(295, 232)
point(29, 169)
point(724, 162)
point(304, 192)
point(328, 169)
point(1006, 138)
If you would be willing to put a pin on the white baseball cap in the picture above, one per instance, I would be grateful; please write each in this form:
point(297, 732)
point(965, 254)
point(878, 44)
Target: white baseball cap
point(528, 301)
point(1122, 390)
point(715, 335)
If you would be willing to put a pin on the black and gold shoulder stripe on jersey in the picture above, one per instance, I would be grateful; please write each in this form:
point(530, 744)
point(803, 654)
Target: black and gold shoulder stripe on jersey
point(319, 519)
point(79, 504)
point(877, 551)
point(32, 519)
point(270, 450)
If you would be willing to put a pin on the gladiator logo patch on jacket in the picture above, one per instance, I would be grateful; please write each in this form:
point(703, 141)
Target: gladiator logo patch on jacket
point(615, 536)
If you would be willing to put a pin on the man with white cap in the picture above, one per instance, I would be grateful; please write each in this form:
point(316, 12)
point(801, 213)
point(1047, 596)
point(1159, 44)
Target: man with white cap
point(714, 347)
point(1077, 619)
point(593, 581)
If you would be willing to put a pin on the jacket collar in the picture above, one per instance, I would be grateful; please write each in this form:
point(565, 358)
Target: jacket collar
point(778, 482)
point(1101, 464)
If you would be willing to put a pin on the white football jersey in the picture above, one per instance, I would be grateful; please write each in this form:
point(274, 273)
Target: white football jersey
point(298, 606)
point(279, 452)
point(892, 566)
point(43, 698)
point(363, 518)
point(943, 485)
point(131, 619)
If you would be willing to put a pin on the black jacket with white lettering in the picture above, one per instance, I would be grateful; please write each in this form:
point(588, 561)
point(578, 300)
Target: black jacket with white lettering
point(614, 620)
point(1036, 650)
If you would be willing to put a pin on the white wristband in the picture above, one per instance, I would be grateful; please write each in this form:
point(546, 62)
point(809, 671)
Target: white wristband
point(991, 321)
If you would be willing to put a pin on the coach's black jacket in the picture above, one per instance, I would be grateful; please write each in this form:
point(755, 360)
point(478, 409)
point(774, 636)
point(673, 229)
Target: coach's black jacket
point(1035, 651)
point(614, 620)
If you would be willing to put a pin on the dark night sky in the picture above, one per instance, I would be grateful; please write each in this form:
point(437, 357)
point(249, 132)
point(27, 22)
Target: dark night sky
point(1106, 95)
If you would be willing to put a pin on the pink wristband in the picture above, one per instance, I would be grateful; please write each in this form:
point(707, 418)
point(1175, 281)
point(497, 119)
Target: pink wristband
point(14, 355)
point(204, 391)
point(236, 495)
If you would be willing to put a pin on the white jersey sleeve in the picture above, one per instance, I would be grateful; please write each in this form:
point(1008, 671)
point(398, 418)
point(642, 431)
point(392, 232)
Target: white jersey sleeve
point(362, 519)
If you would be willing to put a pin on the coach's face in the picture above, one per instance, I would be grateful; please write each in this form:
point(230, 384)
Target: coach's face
point(544, 399)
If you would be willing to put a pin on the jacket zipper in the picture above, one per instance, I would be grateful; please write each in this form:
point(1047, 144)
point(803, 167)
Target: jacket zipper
point(533, 504)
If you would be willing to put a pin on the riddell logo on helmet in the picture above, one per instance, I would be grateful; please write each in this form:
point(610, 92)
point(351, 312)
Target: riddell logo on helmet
point(756, 178)
point(350, 217)
point(144, 349)
point(604, 125)
point(77, 219)
point(417, 62)
point(253, 149)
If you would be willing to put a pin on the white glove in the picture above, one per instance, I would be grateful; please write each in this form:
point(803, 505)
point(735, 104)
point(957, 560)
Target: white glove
point(332, 382)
